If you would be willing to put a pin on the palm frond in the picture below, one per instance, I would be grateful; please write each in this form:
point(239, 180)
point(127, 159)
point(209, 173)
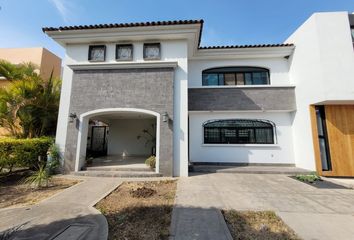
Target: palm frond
point(28, 106)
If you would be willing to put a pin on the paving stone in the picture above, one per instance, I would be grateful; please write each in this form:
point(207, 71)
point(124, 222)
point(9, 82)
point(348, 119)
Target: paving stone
point(313, 213)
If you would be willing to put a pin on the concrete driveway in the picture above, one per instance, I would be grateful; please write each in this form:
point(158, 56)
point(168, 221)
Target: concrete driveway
point(313, 213)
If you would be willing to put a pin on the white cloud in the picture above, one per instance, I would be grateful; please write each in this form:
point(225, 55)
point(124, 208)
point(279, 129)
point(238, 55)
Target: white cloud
point(64, 8)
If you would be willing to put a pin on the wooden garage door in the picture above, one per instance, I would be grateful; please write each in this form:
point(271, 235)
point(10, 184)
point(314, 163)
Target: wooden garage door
point(339, 121)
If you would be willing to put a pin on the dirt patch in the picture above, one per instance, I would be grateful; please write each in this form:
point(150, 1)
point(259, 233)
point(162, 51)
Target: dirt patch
point(143, 192)
point(139, 210)
point(263, 225)
point(13, 192)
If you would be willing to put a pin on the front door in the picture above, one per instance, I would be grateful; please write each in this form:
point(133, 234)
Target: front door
point(333, 132)
point(98, 141)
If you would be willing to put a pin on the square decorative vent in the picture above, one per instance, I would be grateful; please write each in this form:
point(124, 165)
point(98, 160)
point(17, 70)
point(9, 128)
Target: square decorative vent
point(152, 51)
point(124, 52)
point(97, 53)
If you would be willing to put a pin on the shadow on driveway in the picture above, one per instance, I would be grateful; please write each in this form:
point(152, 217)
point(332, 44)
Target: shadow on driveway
point(82, 227)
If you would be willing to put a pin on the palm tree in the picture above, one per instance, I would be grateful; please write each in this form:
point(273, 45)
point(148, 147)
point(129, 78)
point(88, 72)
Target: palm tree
point(17, 71)
point(29, 104)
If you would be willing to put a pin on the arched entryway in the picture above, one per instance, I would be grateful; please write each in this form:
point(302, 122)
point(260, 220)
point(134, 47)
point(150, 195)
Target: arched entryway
point(109, 121)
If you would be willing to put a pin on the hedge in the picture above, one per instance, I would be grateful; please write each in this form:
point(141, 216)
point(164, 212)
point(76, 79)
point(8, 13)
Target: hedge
point(23, 152)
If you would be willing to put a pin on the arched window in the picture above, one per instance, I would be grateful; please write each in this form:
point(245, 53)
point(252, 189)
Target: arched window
point(239, 131)
point(236, 76)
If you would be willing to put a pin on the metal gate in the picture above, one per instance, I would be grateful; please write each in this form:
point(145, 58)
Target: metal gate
point(98, 141)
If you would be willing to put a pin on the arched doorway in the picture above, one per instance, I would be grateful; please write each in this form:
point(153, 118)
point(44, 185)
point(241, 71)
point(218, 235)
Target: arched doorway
point(111, 119)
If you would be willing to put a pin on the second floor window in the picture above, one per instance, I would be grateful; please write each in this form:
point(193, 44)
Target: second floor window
point(235, 76)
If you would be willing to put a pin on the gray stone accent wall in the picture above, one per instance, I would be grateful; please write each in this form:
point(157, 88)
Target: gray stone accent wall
point(241, 99)
point(150, 89)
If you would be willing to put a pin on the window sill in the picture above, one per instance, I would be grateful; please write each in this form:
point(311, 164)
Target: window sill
point(122, 65)
point(245, 86)
point(239, 145)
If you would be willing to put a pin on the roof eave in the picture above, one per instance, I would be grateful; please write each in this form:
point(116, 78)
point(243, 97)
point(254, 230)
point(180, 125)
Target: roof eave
point(244, 52)
point(183, 31)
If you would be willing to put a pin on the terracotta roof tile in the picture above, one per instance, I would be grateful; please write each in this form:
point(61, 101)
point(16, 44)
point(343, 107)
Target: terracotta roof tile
point(248, 46)
point(122, 25)
point(159, 23)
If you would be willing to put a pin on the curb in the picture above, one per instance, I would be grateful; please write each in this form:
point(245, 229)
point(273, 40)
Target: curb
point(224, 225)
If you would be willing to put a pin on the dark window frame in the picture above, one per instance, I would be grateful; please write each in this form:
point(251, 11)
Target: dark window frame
point(124, 45)
point(236, 70)
point(151, 44)
point(237, 139)
point(320, 109)
point(352, 33)
point(91, 47)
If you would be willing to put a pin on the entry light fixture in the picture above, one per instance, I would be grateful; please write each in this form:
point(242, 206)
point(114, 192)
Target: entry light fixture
point(72, 116)
point(165, 117)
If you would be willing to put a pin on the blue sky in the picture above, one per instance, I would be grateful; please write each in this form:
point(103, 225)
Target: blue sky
point(226, 21)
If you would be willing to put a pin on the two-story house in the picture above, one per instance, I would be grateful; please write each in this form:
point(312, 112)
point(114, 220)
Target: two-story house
point(132, 90)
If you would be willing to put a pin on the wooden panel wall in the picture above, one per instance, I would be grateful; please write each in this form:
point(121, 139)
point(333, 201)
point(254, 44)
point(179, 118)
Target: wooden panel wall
point(340, 130)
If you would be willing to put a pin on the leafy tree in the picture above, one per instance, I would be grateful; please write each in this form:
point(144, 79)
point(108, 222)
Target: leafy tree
point(29, 104)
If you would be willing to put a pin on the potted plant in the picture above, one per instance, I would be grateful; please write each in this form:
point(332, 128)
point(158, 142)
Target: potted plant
point(150, 139)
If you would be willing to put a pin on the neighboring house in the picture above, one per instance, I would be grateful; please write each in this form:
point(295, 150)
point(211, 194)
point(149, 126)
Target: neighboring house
point(45, 60)
point(250, 104)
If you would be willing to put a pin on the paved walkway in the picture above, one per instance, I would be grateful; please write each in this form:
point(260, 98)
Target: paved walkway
point(65, 216)
point(313, 213)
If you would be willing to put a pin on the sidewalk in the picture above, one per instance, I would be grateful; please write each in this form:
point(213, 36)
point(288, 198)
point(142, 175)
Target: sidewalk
point(313, 213)
point(202, 221)
point(67, 215)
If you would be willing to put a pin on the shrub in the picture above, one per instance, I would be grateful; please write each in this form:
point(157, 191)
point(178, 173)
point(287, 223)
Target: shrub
point(23, 152)
point(310, 178)
point(151, 161)
point(40, 178)
point(53, 161)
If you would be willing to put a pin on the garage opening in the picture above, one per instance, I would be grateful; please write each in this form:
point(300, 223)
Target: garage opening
point(125, 139)
point(122, 138)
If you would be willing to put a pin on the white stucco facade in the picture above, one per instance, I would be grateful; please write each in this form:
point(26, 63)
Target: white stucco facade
point(315, 63)
point(63, 116)
point(281, 152)
point(322, 69)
